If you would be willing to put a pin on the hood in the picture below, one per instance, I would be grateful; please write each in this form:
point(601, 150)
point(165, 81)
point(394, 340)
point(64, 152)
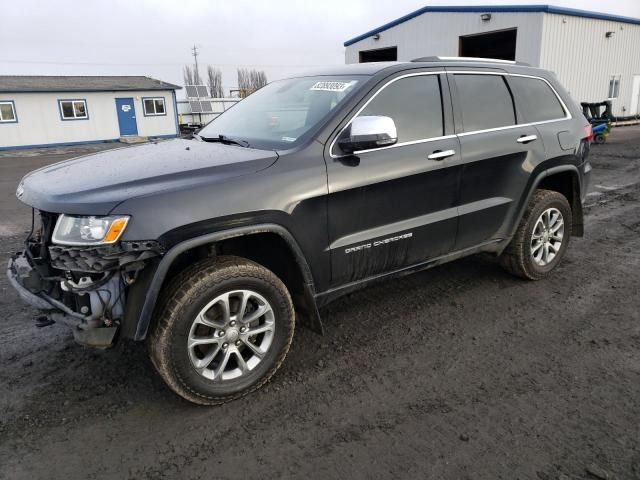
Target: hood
point(95, 184)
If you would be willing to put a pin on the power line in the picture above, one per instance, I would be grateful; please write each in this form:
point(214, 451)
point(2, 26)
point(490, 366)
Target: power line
point(160, 64)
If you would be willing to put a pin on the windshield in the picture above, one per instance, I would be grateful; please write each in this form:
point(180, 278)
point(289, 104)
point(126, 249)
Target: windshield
point(279, 114)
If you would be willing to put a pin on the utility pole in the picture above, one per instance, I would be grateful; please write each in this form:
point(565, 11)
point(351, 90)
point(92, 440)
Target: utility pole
point(196, 74)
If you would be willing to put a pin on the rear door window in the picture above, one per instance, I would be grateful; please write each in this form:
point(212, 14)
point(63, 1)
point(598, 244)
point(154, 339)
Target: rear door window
point(485, 102)
point(415, 105)
point(536, 100)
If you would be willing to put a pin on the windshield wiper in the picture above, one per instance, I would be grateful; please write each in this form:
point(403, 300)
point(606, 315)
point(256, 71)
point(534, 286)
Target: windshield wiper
point(226, 140)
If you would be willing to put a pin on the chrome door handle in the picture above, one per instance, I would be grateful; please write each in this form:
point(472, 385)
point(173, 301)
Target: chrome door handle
point(441, 154)
point(527, 138)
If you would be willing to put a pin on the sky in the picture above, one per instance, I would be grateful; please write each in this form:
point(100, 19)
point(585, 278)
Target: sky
point(155, 37)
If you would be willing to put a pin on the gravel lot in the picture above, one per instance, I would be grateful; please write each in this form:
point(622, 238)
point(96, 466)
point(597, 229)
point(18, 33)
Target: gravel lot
point(457, 372)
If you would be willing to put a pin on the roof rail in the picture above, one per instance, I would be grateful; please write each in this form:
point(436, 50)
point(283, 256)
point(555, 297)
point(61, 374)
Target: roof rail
point(467, 59)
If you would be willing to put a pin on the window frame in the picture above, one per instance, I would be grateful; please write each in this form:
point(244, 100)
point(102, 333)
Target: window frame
point(73, 101)
point(13, 107)
point(144, 108)
point(445, 105)
point(449, 73)
point(568, 115)
point(521, 107)
point(616, 78)
point(516, 113)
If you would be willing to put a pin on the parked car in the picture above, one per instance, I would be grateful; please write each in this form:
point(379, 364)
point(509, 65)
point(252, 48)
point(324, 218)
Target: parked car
point(209, 249)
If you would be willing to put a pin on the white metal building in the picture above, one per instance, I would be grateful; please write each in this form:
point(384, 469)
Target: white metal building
point(595, 55)
point(38, 111)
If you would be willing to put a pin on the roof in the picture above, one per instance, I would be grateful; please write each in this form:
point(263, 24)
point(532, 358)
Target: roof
point(495, 8)
point(368, 68)
point(38, 83)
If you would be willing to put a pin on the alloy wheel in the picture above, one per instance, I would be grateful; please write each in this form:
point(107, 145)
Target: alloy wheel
point(231, 335)
point(547, 236)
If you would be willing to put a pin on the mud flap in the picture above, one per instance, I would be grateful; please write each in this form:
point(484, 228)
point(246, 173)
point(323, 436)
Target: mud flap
point(308, 314)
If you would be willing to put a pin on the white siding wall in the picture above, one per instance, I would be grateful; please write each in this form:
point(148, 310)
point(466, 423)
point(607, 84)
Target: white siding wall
point(437, 33)
point(39, 121)
point(583, 58)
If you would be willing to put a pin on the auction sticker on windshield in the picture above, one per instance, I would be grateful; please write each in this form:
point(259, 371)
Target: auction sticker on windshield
point(332, 86)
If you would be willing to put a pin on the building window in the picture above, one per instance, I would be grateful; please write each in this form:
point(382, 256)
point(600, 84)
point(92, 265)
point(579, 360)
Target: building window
point(7, 112)
point(73, 109)
point(153, 106)
point(614, 86)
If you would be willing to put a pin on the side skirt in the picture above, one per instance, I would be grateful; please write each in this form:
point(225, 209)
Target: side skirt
point(330, 295)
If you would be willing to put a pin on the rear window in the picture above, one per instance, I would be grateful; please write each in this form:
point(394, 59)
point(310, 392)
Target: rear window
point(536, 101)
point(485, 102)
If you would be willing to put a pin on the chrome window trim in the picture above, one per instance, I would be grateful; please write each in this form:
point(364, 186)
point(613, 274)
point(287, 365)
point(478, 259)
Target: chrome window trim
point(402, 144)
point(529, 124)
point(412, 142)
point(462, 134)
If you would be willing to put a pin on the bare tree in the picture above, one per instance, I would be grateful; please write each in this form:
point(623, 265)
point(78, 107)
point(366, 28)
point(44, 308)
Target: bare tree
point(191, 76)
point(197, 79)
point(214, 81)
point(187, 74)
point(250, 80)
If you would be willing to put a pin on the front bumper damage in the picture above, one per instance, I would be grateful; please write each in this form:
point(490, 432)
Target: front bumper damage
point(84, 288)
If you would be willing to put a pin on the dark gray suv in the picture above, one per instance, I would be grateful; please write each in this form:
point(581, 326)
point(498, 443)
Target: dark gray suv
point(210, 248)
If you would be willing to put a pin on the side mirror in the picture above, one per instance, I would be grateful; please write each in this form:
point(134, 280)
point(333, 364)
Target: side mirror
point(368, 132)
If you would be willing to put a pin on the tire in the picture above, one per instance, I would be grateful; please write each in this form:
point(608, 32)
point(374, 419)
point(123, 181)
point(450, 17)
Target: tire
point(599, 138)
point(180, 346)
point(519, 258)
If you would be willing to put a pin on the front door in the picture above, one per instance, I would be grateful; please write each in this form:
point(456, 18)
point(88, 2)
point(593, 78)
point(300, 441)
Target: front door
point(126, 116)
point(394, 206)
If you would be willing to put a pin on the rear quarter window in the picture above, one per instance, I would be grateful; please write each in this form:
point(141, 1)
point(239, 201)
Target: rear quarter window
point(485, 102)
point(536, 100)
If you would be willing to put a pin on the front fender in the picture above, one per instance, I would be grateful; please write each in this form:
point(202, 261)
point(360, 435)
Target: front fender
point(143, 299)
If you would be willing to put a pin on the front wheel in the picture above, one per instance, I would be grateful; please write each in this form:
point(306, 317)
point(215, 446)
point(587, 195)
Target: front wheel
point(224, 328)
point(542, 237)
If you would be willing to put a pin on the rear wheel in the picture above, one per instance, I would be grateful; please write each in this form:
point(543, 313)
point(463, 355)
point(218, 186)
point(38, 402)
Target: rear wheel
point(224, 329)
point(542, 237)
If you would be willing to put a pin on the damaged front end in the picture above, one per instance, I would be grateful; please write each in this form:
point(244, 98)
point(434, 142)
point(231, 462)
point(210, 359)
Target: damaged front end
point(84, 287)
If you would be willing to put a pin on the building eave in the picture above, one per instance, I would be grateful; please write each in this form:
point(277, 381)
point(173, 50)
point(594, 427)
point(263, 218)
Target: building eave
point(495, 9)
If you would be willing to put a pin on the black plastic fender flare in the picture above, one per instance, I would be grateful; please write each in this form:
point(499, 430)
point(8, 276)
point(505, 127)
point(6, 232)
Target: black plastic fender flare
point(144, 319)
point(534, 185)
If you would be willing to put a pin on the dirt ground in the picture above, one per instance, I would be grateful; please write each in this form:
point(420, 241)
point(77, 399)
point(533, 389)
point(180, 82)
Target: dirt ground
point(459, 372)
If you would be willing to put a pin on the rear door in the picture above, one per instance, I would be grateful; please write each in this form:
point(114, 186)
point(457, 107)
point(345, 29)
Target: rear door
point(498, 155)
point(395, 206)
point(538, 103)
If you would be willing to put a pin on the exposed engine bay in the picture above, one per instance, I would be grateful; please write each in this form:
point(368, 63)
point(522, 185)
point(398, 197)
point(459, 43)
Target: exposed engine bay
point(84, 287)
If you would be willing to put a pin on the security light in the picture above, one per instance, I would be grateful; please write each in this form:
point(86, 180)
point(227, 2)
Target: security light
point(609, 34)
point(485, 17)
point(376, 36)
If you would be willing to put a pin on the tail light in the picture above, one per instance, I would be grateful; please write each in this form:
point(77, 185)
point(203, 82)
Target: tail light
point(588, 132)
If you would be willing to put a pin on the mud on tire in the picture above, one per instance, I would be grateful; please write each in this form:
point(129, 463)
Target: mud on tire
point(174, 330)
point(517, 257)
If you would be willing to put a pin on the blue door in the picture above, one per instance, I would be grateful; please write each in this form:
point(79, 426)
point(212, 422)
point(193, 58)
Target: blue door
point(126, 116)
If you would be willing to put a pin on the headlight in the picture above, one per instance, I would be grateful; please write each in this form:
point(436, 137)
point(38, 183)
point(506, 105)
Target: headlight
point(88, 230)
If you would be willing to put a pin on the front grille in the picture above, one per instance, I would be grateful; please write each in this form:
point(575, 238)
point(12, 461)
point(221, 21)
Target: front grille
point(85, 259)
